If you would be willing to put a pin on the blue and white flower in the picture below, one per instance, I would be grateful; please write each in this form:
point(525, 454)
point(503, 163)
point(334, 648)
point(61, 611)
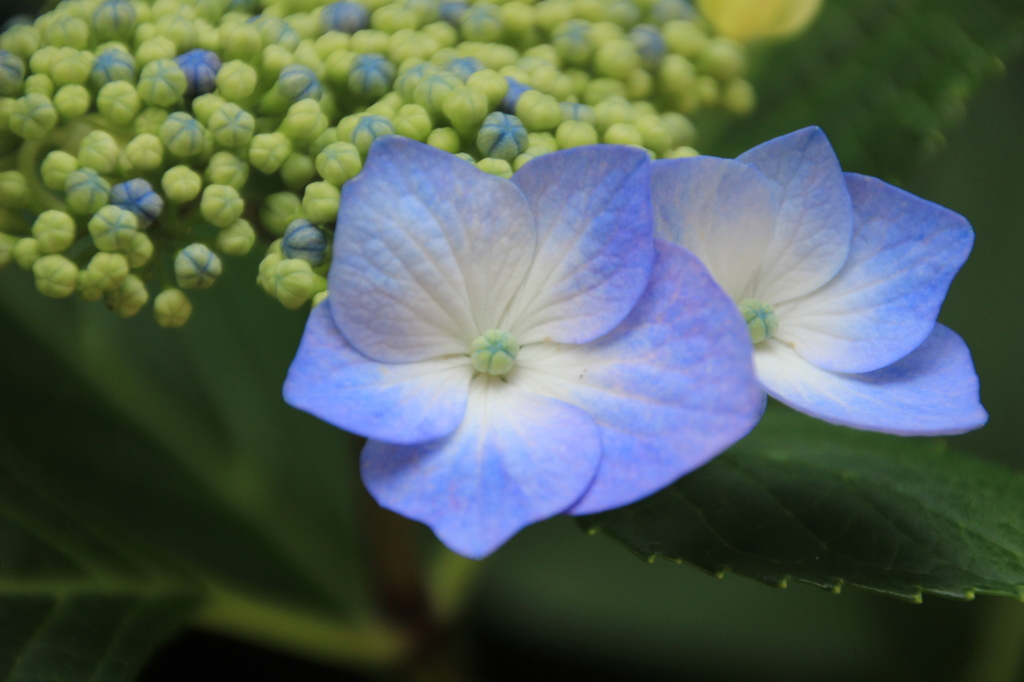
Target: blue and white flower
point(840, 277)
point(516, 349)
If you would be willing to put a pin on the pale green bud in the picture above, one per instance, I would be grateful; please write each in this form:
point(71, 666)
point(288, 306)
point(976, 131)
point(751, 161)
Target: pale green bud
point(575, 134)
point(297, 171)
point(14, 191)
point(196, 267)
point(708, 90)
point(676, 74)
point(294, 282)
point(236, 81)
point(644, 108)
point(40, 60)
point(494, 352)
point(128, 298)
point(762, 321)
point(179, 30)
point(171, 308)
point(86, 285)
point(155, 49)
point(338, 163)
point(162, 83)
point(240, 41)
point(722, 58)
point(611, 111)
point(657, 136)
point(368, 40)
point(337, 67)
point(71, 101)
point(592, 10)
point(430, 92)
point(99, 151)
point(55, 169)
point(543, 141)
point(526, 156)
point(144, 31)
point(684, 38)
point(328, 137)
point(139, 250)
point(54, 231)
point(466, 157)
point(538, 111)
point(119, 101)
point(221, 205)
point(279, 211)
point(150, 120)
point(145, 152)
point(26, 252)
point(236, 239)
point(112, 228)
point(265, 276)
point(182, 135)
point(683, 131)
point(466, 108)
point(551, 81)
point(232, 126)
point(318, 298)
point(414, 122)
point(739, 97)
point(623, 133)
point(553, 12)
point(224, 168)
point(445, 139)
point(616, 58)
point(443, 32)
point(275, 58)
point(499, 167)
point(21, 40)
point(320, 202)
point(204, 106)
point(67, 31)
point(55, 276)
point(105, 272)
point(304, 121)
point(600, 89)
point(368, 129)
point(330, 42)
point(7, 242)
point(681, 153)
point(491, 83)
point(181, 184)
point(602, 32)
point(71, 67)
point(85, 192)
point(268, 151)
point(39, 84)
point(639, 84)
point(33, 117)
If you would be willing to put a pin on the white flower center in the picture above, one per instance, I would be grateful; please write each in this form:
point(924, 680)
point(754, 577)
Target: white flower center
point(760, 317)
point(494, 352)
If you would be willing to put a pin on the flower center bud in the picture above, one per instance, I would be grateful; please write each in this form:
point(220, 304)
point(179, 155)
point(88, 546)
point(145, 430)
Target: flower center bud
point(760, 317)
point(494, 352)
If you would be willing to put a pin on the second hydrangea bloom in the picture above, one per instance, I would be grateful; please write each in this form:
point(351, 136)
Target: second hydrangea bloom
point(840, 277)
point(518, 349)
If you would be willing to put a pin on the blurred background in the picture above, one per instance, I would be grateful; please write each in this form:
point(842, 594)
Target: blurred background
point(555, 603)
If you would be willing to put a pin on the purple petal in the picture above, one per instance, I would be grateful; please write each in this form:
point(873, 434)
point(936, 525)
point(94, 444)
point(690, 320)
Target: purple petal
point(933, 391)
point(516, 458)
point(401, 403)
point(595, 244)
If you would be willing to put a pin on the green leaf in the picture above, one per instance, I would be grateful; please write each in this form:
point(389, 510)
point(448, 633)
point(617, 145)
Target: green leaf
point(830, 506)
point(884, 78)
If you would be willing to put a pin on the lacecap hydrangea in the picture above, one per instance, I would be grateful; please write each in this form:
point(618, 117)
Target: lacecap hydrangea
point(180, 134)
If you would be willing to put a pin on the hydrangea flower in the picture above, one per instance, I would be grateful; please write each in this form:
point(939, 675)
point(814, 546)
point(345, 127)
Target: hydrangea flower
point(516, 349)
point(840, 277)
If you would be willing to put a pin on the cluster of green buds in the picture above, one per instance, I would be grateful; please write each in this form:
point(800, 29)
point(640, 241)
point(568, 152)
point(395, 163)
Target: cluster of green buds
point(140, 142)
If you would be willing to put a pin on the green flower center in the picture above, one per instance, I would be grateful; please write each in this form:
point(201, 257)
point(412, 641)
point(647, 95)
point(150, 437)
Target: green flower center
point(762, 322)
point(494, 352)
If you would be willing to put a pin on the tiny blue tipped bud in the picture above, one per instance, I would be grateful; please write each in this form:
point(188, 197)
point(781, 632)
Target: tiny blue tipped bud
point(368, 129)
point(138, 196)
point(464, 67)
point(200, 68)
point(511, 98)
point(112, 65)
point(114, 19)
point(12, 74)
point(345, 16)
point(649, 44)
point(762, 322)
point(304, 240)
point(298, 82)
point(451, 12)
point(494, 352)
point(502, 136)
point(197, 267)
point(371, 76)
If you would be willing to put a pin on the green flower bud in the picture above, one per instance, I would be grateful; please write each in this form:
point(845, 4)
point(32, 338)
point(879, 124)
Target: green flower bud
point(331, 42)
point(407, 45)
point(268, 151)
point(39, 84)
point(368, 129)
point(294, 283)
point(578, 79)
point(491, 83)
point(139, 250)
point(739, 97)
point(538, 111)
point(239, 41)
point(279, 211)
point(54, 231)
point(370, 76)
point(575, 134)
point(55, 276)
point(644, 108)
point(180, 31)
point(501, 136)
point(181, 184)
point(85, 192)
point(684, 38)
point(592, 10)
point(55, 169)
point(236, 239)
point(128, 298)
point(552, 13)
point(99, 151)
point(171, 308)
point(155, 49)
point(182, 135)
point(681, 153)
point(221, 205)
point(411, 76)
point(318, 298)
point(707, 90)
point(616, 58)
point(21, 40)
point(297, 171)
point(320, 203)
point(112, 228)
point(639, 84)
point(339, 163)
point(414, 122)
point(162, 83)
point(304, 121)
point(445, 139)
point(430, 92)
point(676, 74)
point(466, 108)
point(722, 58)
point(204, 106)
point(114, 19)
point(119, 102)
point(71, 67)
point(526, 156)
point(105, 272)
point(481, 23)
point(543, 141)
point(611, 111)
point(196, 267)
point(328, 137)
point(67, 31)
point(40, 60)
point(232, 126)
point(337, 66)
point(26, 252)
point(14, 191)
point(683, 132)
point(499, 167)
point(623, 133)
point(600, 89)
point(494, 352)
point(33, 117)
point(368, 40)
point(7, 242)
point(265, 276)
point(145, 152)
point(236, 81)
point(12, 74)
point(224, 168)
point(657, 136)
point(602, 32)
point(443, 32)
point(573, 111)
point(551, 81)
point(150, 120)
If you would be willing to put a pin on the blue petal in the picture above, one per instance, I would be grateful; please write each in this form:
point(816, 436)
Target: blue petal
point(721, 210)
point(814, 222)
point(670, 388)
point(428, 252)
point(933, 391)
point(595, 242)
point(400, 403)
point(516, 458)
point(883, 303)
